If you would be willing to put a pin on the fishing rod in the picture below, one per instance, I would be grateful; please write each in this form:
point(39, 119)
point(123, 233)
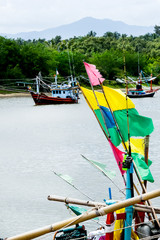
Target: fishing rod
point(130, 160)
point(132, 164)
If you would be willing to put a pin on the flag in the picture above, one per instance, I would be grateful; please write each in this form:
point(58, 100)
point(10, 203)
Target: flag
point(66, 178)
point(102, 167)
point(137, 145)
point(142, 167)
point(107, 117)
point(119, 156)
point(94, 75)
point(139, 126)
point(78, 210)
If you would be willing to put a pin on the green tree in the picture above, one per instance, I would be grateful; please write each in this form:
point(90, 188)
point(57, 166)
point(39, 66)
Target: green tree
point(157, 30)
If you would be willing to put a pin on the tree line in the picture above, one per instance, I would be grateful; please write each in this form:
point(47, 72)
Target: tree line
point(21, 59)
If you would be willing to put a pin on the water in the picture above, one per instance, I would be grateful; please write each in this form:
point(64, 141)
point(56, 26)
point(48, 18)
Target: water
point(35, 140)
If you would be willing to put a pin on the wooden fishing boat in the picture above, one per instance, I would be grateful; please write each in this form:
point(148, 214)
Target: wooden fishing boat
point(64, 93)
point(140, 93)
point(43, 99)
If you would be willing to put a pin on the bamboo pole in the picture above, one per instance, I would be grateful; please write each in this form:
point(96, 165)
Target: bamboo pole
point(145, 191)
point(84, 217)
point(137, 207)
point(146, 150)
point(75, 201)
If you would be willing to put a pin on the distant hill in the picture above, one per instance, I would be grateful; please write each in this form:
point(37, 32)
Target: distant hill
point(82, 27)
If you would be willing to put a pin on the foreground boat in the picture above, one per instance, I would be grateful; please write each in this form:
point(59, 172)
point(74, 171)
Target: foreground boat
point(134, 217)
point(64, 93)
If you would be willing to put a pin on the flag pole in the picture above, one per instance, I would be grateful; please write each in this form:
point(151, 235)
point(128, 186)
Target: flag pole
point(108, 138)
point(72, 185)
point(103, 174)
point(129, 174)
point(113, 116)
point(129, 186)
point(93, 111)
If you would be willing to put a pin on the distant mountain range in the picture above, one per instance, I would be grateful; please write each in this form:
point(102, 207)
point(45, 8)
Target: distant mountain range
point(82, 28)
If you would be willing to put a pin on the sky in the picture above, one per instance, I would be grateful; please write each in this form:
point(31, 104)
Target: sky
point(36, 15)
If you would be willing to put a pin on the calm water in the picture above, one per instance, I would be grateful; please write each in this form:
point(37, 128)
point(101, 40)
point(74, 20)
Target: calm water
point(35, 140)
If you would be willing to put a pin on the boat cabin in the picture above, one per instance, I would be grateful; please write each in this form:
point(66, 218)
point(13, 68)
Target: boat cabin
point(63, 93)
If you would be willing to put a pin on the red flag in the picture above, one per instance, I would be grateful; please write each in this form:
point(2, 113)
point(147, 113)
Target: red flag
point(94, 75)
point(119, 156)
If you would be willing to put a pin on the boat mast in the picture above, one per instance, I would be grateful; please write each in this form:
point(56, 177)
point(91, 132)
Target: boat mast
point(37, 84)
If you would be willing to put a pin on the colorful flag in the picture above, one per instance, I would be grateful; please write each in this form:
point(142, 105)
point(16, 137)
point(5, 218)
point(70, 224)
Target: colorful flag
point(139, 126)
point(142, 167)
point(137, 145)
point(107, 117)
point(119, 156)
point(94, 75)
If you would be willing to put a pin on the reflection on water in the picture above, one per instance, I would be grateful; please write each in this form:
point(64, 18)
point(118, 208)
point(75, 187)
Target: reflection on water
point(38, 139)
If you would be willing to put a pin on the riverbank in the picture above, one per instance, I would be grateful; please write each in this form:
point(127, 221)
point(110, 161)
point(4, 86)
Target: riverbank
point(27, 94)
point(15, 95)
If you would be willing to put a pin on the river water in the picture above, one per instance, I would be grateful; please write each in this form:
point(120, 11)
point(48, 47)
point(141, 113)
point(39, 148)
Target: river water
point(37, 140)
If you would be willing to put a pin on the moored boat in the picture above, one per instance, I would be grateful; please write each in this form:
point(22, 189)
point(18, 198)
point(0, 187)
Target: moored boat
point(66, 92)
point(140, 93)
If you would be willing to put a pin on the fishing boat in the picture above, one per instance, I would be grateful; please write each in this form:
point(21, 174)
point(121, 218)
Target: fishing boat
point(134, 217)
point(140, 93)
point(64, 93)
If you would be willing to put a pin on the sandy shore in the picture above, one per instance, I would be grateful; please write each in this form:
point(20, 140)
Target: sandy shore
point(15, 95)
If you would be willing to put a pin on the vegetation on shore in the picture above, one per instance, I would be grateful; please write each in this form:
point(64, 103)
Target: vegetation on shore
point(24, 59)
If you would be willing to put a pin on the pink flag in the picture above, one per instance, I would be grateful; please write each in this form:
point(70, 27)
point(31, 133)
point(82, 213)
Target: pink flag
point(94, 75)
point(118, 156)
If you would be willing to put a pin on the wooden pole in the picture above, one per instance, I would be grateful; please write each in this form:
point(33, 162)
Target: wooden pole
point(75, 201)
point(93, 112)
point(145, 191)
point(138, 207)
point(146, 150)
point(84, 217)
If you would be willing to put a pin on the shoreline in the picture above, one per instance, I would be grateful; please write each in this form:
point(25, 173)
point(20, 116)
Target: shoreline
point(27, 94)
point(10, 95)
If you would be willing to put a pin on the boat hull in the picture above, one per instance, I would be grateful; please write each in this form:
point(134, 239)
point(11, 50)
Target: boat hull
point(42, 99)
point(149, 94)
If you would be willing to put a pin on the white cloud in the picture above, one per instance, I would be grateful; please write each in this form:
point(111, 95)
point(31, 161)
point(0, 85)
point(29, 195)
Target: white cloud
point(22, 15)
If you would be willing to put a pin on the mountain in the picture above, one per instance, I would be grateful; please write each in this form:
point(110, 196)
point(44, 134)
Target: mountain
point(82, 28)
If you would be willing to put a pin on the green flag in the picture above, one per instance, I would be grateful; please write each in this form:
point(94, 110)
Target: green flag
point(142, 167)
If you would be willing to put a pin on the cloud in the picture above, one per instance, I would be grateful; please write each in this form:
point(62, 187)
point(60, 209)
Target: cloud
point(22, 15)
